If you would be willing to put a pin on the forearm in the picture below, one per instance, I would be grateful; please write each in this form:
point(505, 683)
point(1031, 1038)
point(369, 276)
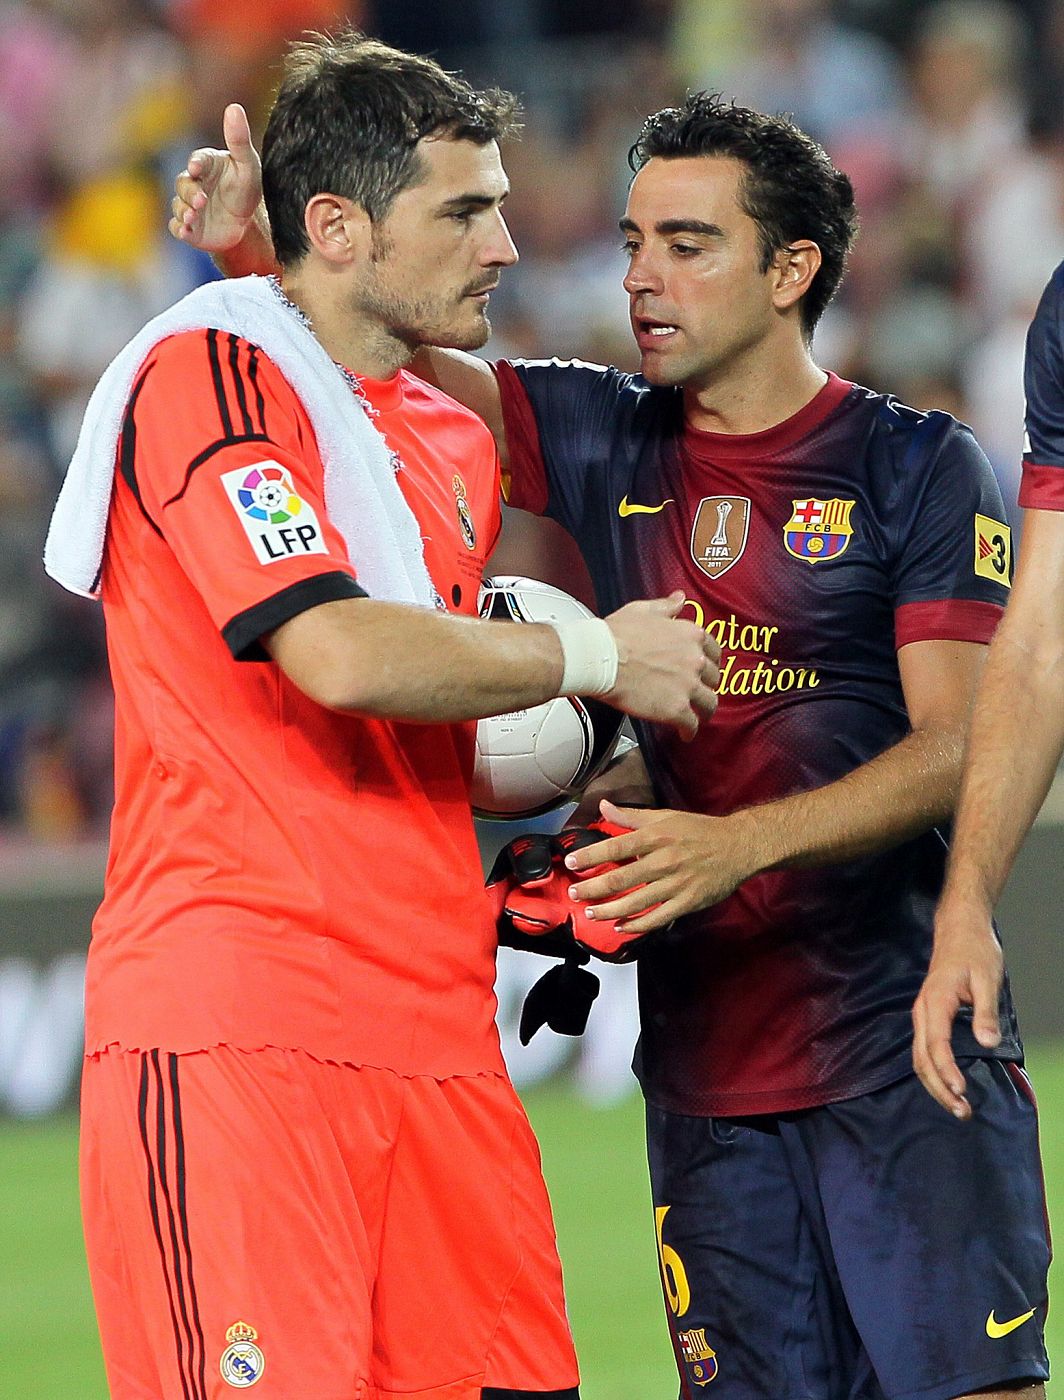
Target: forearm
point(685, 861)
point(471, 381)
point(253, 254)
point(1017, 735)
point(400, 662)
point(1014, 744)
point(1013, 747)
point(625, 782)
point(673, 863)
point(887, 801)
point(1017, 728)
point(397, 662)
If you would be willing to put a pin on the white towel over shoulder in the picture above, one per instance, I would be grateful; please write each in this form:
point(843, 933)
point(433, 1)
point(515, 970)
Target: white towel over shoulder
point(362, 497)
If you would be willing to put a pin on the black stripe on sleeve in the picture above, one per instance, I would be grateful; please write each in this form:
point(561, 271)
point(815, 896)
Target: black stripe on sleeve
point(253, 375)
point(238, 382)
point(153, 1204)
point(206, 455)
point(127, 450)
point(242, 634)
point(219, 383)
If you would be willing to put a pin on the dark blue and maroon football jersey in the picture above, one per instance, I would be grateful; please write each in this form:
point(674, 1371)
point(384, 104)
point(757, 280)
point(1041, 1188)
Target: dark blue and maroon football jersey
point(1042, 487)
point(813, 551)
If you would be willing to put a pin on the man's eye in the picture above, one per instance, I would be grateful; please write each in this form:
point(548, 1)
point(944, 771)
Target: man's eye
point(630, 247)
point(462, 216)
point(685, 250)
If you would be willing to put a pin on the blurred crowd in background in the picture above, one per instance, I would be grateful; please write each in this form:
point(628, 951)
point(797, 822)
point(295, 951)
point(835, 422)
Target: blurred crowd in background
point(947, 115)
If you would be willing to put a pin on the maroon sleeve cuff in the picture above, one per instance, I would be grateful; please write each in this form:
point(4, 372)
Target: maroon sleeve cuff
point(1042, 488)
point(524, 481)
point(946, 620)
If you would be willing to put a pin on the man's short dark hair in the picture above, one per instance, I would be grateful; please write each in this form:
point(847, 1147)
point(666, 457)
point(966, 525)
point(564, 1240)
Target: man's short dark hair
point(791, 190)
point(347, 119)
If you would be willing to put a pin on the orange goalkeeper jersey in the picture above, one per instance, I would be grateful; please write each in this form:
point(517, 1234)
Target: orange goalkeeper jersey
point(280, 873)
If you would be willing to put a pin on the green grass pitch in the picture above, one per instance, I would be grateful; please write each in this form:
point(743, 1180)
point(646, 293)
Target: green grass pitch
point(595, 1166)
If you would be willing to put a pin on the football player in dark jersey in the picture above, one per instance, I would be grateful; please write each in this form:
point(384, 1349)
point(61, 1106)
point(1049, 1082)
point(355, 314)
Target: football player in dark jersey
point(824, 1229)
point(1017, 734)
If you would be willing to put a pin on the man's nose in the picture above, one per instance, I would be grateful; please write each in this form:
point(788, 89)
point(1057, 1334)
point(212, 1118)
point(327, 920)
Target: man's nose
point(641, 276)
point(501, 250)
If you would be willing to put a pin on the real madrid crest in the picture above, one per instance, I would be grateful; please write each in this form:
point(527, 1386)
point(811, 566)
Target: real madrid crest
point(818, 530)
point(465, 517)
point(242, 1362)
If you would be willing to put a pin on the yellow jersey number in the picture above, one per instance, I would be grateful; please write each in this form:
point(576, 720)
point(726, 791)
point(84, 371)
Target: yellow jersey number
point(673, 1273)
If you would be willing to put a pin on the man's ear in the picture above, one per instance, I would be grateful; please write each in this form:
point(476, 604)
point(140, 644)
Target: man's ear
point(339, 230)
point(794, 268)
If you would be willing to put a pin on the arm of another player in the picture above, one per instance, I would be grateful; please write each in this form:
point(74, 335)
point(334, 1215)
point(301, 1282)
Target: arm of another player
point(1016, 740)
point(685, 861)
point(626, 782)
point(399, 662)
point(217, 204)
point(217, 207)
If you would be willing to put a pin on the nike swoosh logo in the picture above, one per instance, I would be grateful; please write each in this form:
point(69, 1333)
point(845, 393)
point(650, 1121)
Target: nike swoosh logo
point(624, 509)
point(1002, 1329)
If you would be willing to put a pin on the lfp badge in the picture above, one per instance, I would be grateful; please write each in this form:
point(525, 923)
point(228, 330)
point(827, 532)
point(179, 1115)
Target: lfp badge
point(266, 493)
point(818, 530)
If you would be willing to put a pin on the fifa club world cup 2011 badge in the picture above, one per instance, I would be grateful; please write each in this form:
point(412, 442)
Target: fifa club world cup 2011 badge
point(720, 532)
point(465, 517)
point(242, 1362)
point(700, 1357)
point(818, 530)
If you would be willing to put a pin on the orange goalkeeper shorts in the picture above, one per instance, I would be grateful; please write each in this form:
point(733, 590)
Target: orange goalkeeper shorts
point(317, 1232)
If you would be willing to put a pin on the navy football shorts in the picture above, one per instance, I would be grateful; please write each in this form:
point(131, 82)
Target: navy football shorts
point(874, 1249)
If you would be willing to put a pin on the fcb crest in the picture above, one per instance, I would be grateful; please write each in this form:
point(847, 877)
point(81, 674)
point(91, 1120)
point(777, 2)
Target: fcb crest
point(698, 1354)
point(719, 534)
point(818, 530)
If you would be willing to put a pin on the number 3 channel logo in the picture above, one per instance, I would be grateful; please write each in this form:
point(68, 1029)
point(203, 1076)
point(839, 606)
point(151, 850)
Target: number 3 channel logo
point(993, 550)
point(673, 1273)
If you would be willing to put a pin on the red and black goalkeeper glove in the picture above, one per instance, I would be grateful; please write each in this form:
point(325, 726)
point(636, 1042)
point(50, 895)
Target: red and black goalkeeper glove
point(529, 887)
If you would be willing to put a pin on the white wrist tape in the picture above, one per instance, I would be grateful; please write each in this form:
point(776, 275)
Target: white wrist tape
point(590, 655)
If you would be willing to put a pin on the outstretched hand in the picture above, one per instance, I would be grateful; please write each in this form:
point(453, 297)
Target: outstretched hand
point(967, 969)
point(217, 194)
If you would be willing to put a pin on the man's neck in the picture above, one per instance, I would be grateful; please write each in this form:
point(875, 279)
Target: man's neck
point(751, 398)
point(361, 346)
